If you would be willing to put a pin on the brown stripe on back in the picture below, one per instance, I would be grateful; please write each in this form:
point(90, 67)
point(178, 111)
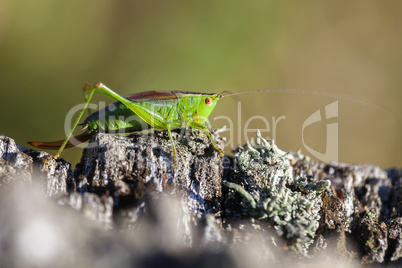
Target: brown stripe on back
point(160, 95)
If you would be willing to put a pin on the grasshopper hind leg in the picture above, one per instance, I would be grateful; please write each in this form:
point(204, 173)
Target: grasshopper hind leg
point(88, 99)
point(87, 96)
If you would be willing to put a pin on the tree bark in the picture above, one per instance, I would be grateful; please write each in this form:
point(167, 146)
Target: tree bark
point(288, 206)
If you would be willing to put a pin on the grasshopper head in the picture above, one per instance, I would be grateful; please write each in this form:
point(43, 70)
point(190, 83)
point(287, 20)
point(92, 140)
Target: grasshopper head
point(206, 106)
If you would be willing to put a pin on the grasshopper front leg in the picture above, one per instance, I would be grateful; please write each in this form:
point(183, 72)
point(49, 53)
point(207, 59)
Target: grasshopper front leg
point(204, 128)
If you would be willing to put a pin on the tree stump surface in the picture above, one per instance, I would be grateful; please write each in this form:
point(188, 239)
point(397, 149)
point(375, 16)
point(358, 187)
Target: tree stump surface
point(126, 204)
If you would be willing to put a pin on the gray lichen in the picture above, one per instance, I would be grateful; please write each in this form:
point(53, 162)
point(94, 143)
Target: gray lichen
point(263, 176)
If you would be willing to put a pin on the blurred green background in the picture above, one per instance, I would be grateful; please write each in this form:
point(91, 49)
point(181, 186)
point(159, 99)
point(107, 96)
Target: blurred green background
point(49, 49)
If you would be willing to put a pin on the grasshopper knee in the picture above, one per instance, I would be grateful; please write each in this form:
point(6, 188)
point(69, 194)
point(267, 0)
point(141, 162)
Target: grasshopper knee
point(99, 85)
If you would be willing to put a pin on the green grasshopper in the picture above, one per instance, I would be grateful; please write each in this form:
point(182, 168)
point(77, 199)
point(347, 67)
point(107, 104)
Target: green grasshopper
point(164, 110)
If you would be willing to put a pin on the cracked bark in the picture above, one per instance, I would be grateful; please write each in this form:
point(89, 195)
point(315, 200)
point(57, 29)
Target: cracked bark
point(125, 183)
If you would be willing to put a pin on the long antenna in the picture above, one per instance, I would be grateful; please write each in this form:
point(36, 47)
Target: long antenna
point(387, 110)
point(318, 93)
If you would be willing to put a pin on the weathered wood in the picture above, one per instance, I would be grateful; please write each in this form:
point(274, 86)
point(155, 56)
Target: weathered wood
point(128, 168)
point(281, 202)
point(22, 165)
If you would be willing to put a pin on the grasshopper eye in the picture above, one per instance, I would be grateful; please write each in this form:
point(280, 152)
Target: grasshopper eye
point(208, 101)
